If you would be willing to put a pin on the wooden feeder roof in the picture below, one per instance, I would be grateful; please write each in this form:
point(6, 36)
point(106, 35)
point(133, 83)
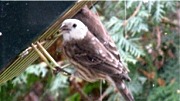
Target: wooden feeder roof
point(23, 23)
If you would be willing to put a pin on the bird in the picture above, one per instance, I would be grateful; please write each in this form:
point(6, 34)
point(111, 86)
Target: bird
point(92, 21)
point(91, 59)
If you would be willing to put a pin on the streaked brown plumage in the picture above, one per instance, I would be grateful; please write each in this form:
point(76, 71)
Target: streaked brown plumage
point(94, 54)
point(91, 54)
point(95, 26)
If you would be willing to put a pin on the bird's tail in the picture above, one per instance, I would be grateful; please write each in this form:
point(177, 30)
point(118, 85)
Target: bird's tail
point(125, 92)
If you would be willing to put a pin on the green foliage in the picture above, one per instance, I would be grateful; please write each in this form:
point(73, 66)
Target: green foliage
point(114, 97)
point(56, 85)
point(159, 12)
point(126, 36)
point(131, 45)
point(74, 97)
point(88, 88)
point(38, 70)
point(168, 93)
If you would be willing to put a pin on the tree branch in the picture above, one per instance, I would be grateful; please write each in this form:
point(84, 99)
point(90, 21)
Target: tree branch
point(78, 88)
point(168, 21)
point(134, 14)
point(158, 34)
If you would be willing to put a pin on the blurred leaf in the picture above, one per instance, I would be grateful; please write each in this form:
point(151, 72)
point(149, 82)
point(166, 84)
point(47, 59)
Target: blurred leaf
point(59, 81)
point(114, 97)
point(161, 82)
point(159, 12)
point(74, 97)
point(37, 69)
point(168, 93)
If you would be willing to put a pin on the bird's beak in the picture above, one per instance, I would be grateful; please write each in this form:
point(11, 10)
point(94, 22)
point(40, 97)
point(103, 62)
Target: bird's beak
point(64, 27)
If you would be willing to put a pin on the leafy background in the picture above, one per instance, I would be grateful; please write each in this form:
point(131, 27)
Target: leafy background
point(147, 36)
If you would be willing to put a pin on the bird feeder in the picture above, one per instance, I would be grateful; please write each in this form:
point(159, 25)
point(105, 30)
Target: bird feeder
point(24, 25)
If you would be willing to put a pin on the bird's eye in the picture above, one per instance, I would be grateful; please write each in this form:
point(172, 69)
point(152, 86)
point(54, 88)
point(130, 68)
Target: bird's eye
point(74, 25)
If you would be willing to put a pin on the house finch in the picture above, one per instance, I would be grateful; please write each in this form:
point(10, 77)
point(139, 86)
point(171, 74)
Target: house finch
point(92, 58)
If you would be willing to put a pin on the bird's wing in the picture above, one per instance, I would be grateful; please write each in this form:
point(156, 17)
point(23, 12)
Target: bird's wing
point(95, 26)
point(91, 53)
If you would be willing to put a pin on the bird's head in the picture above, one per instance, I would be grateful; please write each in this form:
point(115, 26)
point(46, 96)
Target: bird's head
point(73, 29)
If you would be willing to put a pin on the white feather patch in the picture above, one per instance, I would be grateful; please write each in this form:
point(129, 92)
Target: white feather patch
point(100, 51)
point(78, 32)
point(123, 86)
point(112, 44)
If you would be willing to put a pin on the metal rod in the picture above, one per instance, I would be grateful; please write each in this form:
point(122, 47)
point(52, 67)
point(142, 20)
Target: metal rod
point(42, 56)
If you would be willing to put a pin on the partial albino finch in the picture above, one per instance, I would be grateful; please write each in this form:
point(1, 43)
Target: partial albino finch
point(92, 60)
